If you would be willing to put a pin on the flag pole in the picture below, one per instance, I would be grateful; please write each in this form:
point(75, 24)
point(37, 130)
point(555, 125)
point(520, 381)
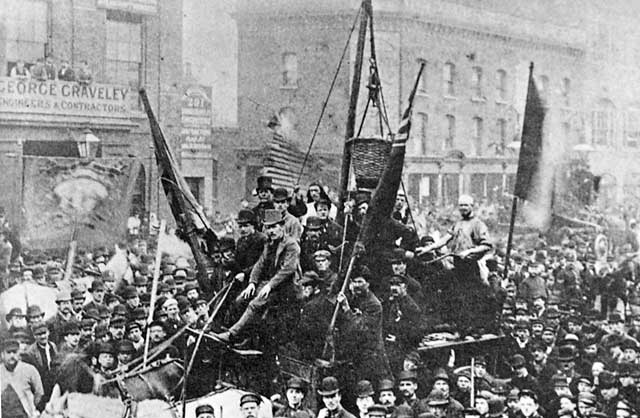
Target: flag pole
point(154, 290)
point(512, 222)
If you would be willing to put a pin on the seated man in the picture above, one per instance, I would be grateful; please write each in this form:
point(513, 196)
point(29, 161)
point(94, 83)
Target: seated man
point(272, 276)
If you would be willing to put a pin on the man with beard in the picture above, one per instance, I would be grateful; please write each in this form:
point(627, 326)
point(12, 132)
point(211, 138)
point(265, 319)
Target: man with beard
point(361, 318)
point(20, 385)
point(387, 397)
point(469, 241)
point(408, 388)
point(64, 314)
point(272, 276)
point(42, 354)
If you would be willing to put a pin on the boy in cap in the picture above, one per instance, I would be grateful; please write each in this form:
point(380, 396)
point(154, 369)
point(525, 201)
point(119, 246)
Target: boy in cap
point(295, 392)
point(205, 411)
point(249, 405)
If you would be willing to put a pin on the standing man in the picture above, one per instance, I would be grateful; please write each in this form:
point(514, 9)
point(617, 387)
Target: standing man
point(469, 241)
point(292, 226)
point(21, 387)
point(272, 276)
point(42, 355)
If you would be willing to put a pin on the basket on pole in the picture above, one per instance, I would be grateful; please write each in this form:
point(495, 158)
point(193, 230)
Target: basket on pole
point(368, 160)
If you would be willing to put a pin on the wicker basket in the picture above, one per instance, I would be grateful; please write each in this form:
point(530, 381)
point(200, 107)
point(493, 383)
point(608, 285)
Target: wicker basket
point(368, 159)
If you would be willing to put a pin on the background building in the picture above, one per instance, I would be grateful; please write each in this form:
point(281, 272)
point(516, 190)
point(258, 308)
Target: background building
point(127, 45)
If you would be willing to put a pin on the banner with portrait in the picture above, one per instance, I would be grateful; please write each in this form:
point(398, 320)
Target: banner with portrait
point(63, 196)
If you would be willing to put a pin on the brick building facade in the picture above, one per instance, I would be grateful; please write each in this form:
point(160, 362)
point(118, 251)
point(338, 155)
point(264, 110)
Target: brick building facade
point(127, 45)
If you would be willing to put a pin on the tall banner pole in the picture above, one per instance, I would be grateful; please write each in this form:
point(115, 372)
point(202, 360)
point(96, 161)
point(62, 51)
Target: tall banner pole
point(472, 400)
point(154, 290)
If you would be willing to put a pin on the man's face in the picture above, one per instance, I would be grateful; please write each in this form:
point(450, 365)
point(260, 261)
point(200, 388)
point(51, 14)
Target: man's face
point(617, 328)
point(322, 264)
point(189, 316)
point(116, 331)
point(399, 267)
point(10, 357)
point(574, 328)
point(465, 208)
point(362, 209)
point(42, 337)
point(536, 329)
point(307, 291)
point(464, 384)
point(522, 334)
point(597, 368)
point(398, 289)
point(246, 229)
point(332, 402)
point(547, 337)
point(171, 309)
point(133, 302)
point(538, 355)
point(567, 404)
point(202, 310)
point(77, 305)
point(265, 195)
point(65, 307)
point(141, 289)
point(281, 205)
point(409, 365)
point(629, 355)
point(567, 366)
point(387, 397)
point(249, 410)
point(157, 334)
point(72, 339)
point(98, 296)
point(193, 294)
point(584, 387)
point(109, 285)
point(527, 406)
point(124, 358)
point(294, 396)
point(19, 321)
point(275, 232)
point(27, 275)
point(480, 370)
point(106, 360)
point(408, 388)
point(359, 286)
point(364, 403)
point(591, 350)
point(322, 211)
point(399, 203)
point(134, 335)
point(314, 192)
point(442, 385)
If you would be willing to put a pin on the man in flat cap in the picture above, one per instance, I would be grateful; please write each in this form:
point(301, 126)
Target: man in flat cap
point(314, 316)
point(250, 405)
point(250, 243)
point(205, 411)
point(296, 391)
point(20, 385)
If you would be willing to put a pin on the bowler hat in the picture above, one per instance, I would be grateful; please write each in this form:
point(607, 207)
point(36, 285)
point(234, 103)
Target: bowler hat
point(204, 409)
point(106, 347)
point(364, 388)
point(190, 286)
point(329, 386)
point(132, 325)
point(250, 397)
point(272, 217)
point(407, 375)
point(607, 380)
point(130, 292)
point(13, 313)
point(362, 197)
point(39, 329)
point(314, 223)
point(437, 398)
point(386, 385)
point(10, 344)
point(321, 254)
point(77, 294)
point(496, 407)
point(140, 280)
point(138, 313)
point(566, 353)
point(440, 374)
point(397, 256)
point(63, 296)
point(69, 328)
point(518, 361)
point(246, 216)
point(280, 195)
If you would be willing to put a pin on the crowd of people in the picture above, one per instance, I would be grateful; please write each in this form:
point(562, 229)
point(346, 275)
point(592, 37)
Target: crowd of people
point(568, 319)
point(46, 69)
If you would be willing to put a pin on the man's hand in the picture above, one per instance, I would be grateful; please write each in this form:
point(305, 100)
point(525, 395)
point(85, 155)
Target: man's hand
point(324, 413)
point(240, 277)
point(424, 250)
point(248, 291)
point(342, 300)
point(264, 292)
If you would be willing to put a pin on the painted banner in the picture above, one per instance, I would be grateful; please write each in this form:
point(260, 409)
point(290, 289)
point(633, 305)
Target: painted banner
point(196, 118)
point(92, 197)
point(55, 97)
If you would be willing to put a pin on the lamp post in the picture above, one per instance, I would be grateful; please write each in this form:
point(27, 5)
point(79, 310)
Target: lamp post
point(88, 144)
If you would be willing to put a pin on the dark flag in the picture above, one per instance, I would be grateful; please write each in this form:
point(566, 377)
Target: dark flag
point(191, 220)
point(531, 142)
point(384, 196)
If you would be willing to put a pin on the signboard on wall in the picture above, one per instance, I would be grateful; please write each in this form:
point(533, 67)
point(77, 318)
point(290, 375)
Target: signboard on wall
point(59, 98)
point(196, 118)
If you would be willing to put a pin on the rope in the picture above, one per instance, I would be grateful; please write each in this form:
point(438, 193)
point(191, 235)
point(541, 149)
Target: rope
point(326, 101)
